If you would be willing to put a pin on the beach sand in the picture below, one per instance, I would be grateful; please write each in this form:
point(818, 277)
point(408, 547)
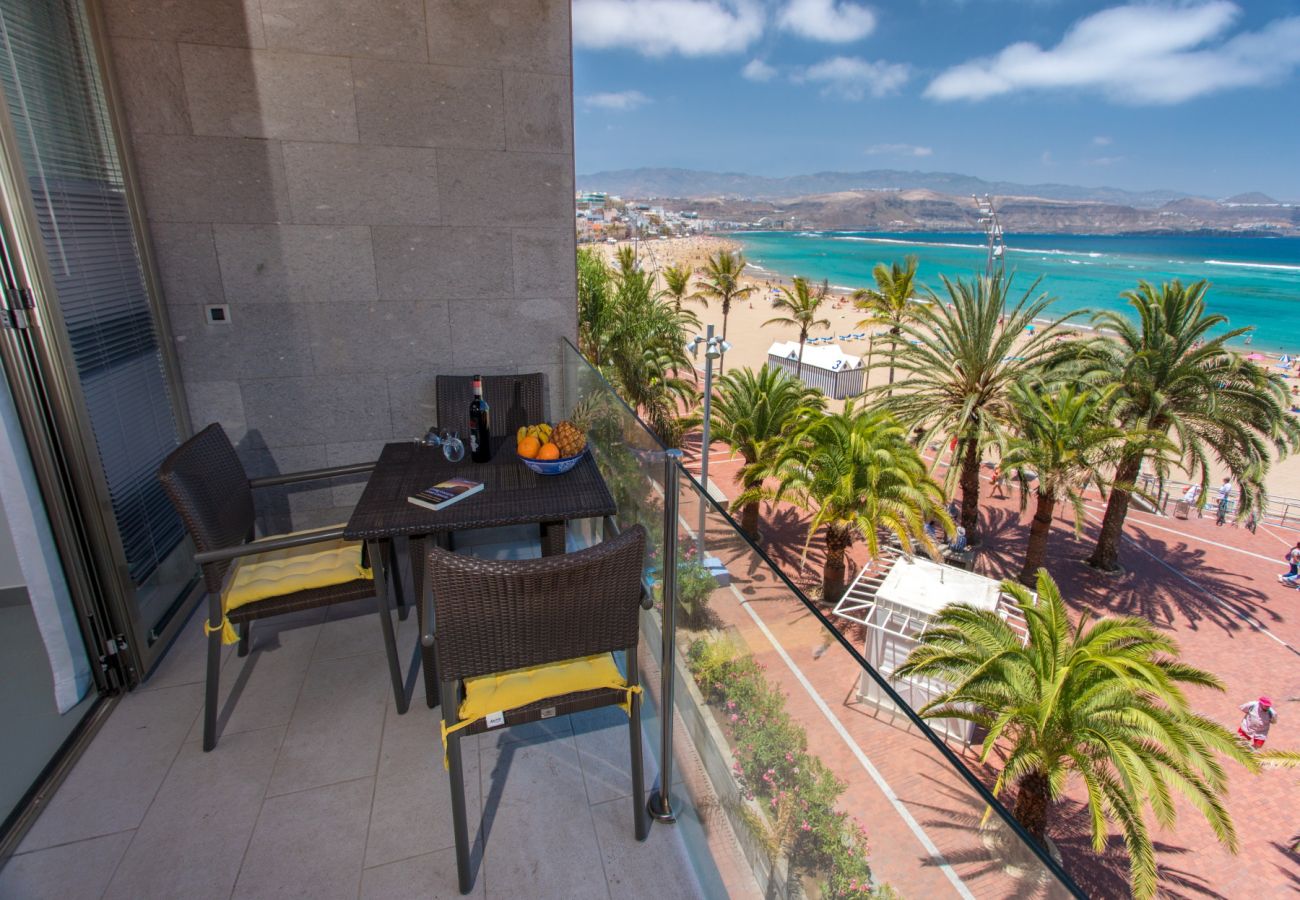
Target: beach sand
point(750, 339)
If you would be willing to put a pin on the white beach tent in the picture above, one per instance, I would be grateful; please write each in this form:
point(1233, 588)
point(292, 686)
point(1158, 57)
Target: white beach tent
point(825, 367)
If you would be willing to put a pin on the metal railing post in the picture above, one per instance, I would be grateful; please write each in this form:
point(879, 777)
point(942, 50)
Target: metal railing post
point(660, 805)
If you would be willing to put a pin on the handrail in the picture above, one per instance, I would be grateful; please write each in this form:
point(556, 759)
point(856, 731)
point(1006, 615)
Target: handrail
point(310, 475)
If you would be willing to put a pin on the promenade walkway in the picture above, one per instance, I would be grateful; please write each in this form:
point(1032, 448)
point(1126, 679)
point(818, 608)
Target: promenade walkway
point(1213, 588)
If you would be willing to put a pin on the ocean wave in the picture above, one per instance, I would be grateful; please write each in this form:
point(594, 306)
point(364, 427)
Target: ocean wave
point(872, 240)
point(1275, 267)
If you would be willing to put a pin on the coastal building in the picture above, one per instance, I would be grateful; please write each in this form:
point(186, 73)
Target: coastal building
point(825, 367)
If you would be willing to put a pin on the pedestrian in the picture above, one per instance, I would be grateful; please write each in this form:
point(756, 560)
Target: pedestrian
point(1225, 489)
point(1292, 559)
point(1259, 717)
point(996, 479)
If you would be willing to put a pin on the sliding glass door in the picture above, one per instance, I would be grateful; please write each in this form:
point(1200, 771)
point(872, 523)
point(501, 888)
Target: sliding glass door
point(94, 329)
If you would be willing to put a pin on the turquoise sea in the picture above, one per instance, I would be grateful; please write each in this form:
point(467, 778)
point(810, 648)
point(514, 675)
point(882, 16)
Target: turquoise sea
point(1254, 281)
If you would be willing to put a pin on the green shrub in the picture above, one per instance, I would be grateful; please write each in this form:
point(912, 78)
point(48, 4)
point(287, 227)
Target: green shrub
point(773, 767)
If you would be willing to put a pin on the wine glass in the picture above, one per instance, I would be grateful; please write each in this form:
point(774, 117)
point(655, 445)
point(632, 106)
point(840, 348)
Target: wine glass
point(453, 448)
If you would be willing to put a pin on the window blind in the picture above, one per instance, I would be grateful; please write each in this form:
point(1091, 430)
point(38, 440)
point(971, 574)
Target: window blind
point(60, 117)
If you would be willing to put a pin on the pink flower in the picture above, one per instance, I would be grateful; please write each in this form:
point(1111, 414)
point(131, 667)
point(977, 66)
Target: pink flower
point(805, 826)
point(733, 717)
point(789, 757)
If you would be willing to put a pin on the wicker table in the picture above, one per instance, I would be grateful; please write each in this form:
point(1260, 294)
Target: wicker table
point(512, 495)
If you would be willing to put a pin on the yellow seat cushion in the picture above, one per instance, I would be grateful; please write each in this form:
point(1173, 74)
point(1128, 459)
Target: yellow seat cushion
point(279, 572)
point(505, 691)
point(520, 687)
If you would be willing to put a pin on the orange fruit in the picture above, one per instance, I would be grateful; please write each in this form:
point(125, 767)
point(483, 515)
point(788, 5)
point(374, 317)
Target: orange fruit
point(548, 451)
point(529, 447)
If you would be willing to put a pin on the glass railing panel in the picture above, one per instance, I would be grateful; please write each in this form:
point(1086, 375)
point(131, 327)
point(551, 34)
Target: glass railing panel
point(633, 463)
point(829, 785)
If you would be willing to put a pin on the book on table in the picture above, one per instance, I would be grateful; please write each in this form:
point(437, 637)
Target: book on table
point(445, 493)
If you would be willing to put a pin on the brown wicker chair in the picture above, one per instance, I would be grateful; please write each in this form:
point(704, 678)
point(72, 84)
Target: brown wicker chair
point(494, 617)
point(513, 400)
point(213, 494)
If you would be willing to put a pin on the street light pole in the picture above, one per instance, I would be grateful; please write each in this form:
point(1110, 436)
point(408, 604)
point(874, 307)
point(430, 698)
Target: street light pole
point(714, 347)
point(705, 439)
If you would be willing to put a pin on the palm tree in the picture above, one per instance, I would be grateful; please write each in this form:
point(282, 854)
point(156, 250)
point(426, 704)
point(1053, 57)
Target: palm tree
point(1064, 436)
point(1100, 702)
point(858, 474)
point(961, 358)
point(1174, 377)
point(801, 305)
point(891, 301)
point(596, 304)
point(755, 413)
point(722, 283)
point(645, 352)
point(677, 281)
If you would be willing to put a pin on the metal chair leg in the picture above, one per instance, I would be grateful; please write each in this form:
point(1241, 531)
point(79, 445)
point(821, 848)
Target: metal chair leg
point(245, 629)
point(459, 817)
point(639, 817)
point(212, 692)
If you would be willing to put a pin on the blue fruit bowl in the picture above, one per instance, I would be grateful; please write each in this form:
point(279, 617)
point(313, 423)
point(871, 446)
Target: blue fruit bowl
point(553, 466)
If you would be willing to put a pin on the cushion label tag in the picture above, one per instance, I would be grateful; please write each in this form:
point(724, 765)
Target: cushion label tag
point(496, 719)
point(548, 712)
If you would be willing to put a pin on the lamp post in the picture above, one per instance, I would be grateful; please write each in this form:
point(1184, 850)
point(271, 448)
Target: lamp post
point(714, 347)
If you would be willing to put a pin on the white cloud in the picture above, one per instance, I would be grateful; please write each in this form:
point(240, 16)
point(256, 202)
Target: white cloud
point(660, 27)
point(1158, 53)
point(757, 70)
point(853, 78)
point(827, 20)
point(1104, 161)
point(898, 150)
point(616, 101)
point(1101, 141)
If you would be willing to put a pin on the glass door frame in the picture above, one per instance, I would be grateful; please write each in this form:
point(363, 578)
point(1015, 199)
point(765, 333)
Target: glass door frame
point(38, 356)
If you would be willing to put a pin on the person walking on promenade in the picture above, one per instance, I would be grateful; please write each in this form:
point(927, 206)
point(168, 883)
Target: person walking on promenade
point(996, 480)
point(1259, 717)
point(1292, 560)
point(1225, 490)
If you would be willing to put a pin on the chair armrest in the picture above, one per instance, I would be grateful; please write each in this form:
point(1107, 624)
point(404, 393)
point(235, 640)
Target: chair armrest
point(310, 475)
point(284, 542)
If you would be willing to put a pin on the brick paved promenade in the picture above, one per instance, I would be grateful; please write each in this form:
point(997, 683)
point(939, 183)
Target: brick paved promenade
point(1214, 588)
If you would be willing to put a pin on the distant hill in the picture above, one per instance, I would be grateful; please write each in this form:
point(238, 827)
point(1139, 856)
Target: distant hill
point(1252, 198)
point(690, 183)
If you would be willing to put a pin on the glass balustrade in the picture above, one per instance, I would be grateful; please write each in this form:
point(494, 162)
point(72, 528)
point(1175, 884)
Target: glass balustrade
point(796, 769)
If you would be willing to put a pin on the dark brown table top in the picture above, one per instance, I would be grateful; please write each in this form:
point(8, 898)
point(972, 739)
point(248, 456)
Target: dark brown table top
point(512, 493)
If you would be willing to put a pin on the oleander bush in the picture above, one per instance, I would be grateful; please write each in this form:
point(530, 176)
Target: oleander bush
point(773, 767)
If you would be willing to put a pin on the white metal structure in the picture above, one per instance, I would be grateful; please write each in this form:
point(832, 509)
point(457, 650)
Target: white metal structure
point(896, 600)
point(825, 367)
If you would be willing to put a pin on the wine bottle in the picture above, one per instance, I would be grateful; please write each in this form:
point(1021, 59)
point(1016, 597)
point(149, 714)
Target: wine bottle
point(480, 429)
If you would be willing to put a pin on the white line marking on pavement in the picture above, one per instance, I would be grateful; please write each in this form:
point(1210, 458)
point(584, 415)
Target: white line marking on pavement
point(1189, 536)
point(903, 813)
point(1246, 617)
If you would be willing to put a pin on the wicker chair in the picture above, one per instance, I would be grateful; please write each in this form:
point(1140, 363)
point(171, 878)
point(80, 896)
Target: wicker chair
point(214, 496)
point(553, 616)
point(513, 400)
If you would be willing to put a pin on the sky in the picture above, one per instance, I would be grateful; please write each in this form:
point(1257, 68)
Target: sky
point(1201, 96)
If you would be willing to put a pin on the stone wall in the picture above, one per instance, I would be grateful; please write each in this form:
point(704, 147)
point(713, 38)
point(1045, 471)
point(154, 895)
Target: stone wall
point(381, 190)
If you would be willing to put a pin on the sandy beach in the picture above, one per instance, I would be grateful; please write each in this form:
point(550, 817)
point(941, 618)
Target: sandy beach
point(750, 339)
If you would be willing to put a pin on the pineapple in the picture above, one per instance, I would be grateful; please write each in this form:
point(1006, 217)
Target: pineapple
point(569, 438)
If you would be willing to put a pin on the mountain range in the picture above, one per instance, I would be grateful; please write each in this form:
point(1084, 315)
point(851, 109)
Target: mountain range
point(689, 183)
point(889, 200)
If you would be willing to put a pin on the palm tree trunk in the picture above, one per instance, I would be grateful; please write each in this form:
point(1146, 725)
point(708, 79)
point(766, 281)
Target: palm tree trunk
point(798, 366)
point(837, 544)
point(1105, 555)
point(1032, 799)
point(893, 346)
point(722, 357)
point(970, 488)
point(1039, 530)
point(749, 520)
